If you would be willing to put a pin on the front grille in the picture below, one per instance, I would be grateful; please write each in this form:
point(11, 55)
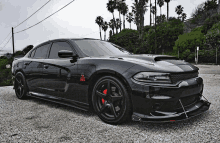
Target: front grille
point(175, 77)
point(187, 100)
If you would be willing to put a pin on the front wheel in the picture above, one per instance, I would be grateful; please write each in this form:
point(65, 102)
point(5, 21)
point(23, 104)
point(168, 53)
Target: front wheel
point(111, 100)
point(20, 86)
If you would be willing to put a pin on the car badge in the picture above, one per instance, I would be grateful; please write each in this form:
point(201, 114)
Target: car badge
point(82, 78)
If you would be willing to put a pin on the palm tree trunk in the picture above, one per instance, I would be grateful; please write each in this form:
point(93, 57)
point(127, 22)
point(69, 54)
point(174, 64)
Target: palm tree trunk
point(150, 12)
point(114, 23)
point(105, 35)
point(120, 20)
point(130, 25)
point(124, 21)
point(100, 33)
point(167, 11)
point(160, 11)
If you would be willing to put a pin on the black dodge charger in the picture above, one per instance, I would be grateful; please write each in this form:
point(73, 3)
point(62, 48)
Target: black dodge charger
point(116, 84)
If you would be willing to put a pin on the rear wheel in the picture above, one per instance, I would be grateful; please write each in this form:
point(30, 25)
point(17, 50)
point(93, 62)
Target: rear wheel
point(20, 86)
point(111, 101)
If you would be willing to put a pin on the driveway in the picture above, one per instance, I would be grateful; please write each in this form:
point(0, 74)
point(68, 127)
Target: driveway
point(35, 120)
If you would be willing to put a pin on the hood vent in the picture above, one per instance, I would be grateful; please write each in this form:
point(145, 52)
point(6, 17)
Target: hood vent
point(165, 58)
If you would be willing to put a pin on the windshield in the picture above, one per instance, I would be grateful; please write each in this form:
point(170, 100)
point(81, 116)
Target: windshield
point(100, 48)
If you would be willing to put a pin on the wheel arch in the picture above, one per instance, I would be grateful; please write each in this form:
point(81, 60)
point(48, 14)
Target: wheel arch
point(98, 74)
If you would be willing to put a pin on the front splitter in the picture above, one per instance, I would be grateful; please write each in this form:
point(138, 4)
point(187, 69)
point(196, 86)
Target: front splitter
point(179, 115)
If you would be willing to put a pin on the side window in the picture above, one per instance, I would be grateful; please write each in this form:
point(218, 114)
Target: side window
point(56, 47)
point(41, 52)
point(32, 53)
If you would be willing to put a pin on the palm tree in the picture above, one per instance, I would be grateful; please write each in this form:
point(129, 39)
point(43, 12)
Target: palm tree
point(110, 34)
point(124, 12)
point(153, 10)
point(111, 6)
point(120, 8)
point(167, 1)
point(105, 27)
point(111, 25)
point(160, 3)
point(150, 12)
point(179, 10)
point(99, 21)
point(130, 18)
point(183, 16)
point(118, 24)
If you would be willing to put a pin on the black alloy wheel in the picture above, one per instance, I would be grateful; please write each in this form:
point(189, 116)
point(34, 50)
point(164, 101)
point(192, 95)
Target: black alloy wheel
point(111, 100)
point(20, 86)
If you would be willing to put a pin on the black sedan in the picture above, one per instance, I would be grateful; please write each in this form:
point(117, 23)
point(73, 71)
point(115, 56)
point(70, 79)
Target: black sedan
point(116, 84)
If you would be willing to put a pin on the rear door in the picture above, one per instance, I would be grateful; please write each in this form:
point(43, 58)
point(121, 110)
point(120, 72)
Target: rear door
point(58, 73)
point(33, 67)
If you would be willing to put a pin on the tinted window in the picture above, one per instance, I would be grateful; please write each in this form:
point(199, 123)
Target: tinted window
point(56, 47)
point(99, 48)
point(41, 52)
point(32, 53)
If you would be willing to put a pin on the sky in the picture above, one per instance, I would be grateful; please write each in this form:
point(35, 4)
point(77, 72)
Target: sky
point(77, 20)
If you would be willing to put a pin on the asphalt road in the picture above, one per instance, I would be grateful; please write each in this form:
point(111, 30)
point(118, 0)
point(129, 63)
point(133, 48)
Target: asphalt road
point(35, 120)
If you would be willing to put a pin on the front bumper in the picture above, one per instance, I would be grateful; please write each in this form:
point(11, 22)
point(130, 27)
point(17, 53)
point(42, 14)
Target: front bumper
point(168, 102)
point(178, 115)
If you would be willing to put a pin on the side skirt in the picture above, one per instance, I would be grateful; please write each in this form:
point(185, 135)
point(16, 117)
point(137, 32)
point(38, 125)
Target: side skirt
point(71, 103)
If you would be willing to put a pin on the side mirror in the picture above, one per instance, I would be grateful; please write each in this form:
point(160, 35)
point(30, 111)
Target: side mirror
point(67, 54)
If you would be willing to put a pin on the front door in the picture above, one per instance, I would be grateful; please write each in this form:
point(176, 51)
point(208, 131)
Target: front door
point(59, 73)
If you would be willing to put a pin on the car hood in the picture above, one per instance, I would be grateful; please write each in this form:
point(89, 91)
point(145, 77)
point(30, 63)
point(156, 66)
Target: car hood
point(159, 62)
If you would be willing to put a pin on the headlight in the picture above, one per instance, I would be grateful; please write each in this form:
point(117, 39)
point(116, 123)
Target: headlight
point(153, 77)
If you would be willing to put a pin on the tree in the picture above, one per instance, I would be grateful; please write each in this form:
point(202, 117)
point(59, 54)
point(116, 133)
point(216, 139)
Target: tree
point(179, 10)
point(105, 27)
point(124, 12)
point(153, 11)
point(110, 34)
point(160, 3)
point(183, 16)
point(118, 24)
point(111, 25)
point(167, 1)
point(111, 6)
point(130, 18)
point(160, 19)
point(139, 9)
point(120, 8)
point(99, 21)
point(150, 13)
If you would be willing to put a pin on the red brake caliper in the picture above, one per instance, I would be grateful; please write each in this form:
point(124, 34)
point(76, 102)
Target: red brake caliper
point(105, 92)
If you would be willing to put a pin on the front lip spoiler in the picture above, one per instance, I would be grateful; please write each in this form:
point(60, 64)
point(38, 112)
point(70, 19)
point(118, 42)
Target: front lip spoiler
point(183, 114)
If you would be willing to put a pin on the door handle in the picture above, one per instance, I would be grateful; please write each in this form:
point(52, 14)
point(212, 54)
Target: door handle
point(46, 66)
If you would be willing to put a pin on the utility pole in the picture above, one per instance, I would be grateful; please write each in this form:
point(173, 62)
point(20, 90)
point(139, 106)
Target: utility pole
point(13, 41)
point(155, 27)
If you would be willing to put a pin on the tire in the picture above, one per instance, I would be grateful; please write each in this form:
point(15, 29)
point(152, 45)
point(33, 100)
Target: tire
point(111, 100)
point(21, 88)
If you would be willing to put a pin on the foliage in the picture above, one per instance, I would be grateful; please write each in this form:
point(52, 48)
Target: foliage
point(179, 10)
point(130, 18)
point(210, 22)
point(160, 19)
point(167, 34)
point(127, 39)
point(203, 11)
point(189, 41)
